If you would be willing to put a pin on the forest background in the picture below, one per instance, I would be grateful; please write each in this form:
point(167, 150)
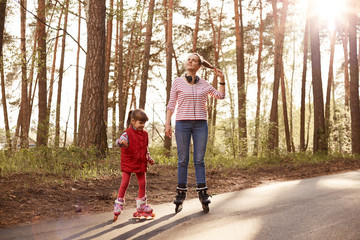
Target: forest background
point(292, 81)
point(70, 71)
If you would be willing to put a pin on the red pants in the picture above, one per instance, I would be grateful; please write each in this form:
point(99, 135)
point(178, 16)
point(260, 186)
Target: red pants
point(141, 177)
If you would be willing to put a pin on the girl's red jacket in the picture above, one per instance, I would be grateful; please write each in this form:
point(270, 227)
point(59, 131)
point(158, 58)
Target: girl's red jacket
point(133, 157)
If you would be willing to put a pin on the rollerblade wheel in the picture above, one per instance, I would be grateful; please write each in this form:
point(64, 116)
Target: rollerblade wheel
point(178, 208)
point(206, 208)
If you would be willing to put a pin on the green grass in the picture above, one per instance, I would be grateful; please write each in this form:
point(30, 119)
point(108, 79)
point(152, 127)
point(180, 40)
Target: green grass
point(71, 162)
point(77, 163)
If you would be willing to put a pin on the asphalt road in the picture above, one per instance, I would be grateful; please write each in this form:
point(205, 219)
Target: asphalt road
point(325, 207)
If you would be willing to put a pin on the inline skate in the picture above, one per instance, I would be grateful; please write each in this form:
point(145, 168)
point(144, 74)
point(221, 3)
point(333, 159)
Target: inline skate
point(143, 210)
point(118, 207)
point(204, 197)
point(179, 199)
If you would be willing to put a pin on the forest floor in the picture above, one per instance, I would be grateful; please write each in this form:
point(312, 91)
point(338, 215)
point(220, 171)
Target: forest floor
point(32, 198)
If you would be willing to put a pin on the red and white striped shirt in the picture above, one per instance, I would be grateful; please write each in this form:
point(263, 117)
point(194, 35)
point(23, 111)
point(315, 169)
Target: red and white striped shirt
point(191, 99)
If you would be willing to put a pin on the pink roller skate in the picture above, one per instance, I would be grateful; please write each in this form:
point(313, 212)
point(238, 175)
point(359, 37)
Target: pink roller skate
point(118, 207)
point(144, 210)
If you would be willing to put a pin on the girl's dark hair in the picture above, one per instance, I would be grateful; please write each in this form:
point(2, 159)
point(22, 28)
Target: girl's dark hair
point(137, 115)
point(203, 62)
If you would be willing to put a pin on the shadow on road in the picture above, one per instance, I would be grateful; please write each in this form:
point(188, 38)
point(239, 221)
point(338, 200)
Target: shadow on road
point(142, 228)
point(161, 229)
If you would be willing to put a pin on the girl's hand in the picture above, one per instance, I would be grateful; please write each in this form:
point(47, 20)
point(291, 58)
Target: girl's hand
point(124, 143)
point(168, 131)
point(219, 73)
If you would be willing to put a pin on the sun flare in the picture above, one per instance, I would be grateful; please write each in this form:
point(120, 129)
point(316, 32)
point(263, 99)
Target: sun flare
point(328, 10)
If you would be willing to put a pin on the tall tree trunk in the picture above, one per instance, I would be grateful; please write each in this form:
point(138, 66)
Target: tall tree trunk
point(123, 95)
point(303, 83)
point(319, 142)
point(116, 73)
point(329, 84)
point(146, 61)
point(336, 129)
point(359, 53)
point(113, 129)
point(291, 93)
point(66, 128)
point(169, 50)
point(120, 69)
point(346, 64)
point(354, 80)
point(92, 132)
point(2, 76)
point(24, 108)
point(77, 80)
point(52, 77)
point(212, 103)
point(232, 112)
point(240, 66)
point(42, 128)
point(273, 135)
point(31, 92)
point(109, 28)
point(196, 29)
point(32, 84)
point(285, 114)
point(61, 74)
point(259, 80)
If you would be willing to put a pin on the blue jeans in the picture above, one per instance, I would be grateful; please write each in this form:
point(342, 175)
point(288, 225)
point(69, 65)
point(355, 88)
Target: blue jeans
point(198, 129)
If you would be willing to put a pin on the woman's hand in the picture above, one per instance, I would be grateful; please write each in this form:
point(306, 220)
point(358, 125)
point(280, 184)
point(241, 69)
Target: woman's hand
point(168, 131)
point(219, 73)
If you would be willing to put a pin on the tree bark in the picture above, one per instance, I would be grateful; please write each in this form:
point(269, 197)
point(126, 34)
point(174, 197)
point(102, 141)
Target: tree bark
point(24, 108)
point(303, 83)
point(116, 73)
point(259, 80)
point(212, 103)
point(130, 58)
point(77, 81)
point(169, 50)
point(92, 132)
point(61, 74)
point(240, 66)
point(42, 128)
point(329, 85)
point(121, 68)
point(2, 76)
point(109, 27)
point(52, 77)
point(346, 65)
point(196, 29)
point(354, 80)
point(285, 114)
point(146, 61)
point(273, 135)
point(319, 142)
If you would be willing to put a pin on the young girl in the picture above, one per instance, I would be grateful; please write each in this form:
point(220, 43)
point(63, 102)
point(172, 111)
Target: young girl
point(134, 159)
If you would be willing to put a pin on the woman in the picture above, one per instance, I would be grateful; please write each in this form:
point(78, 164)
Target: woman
point(190, 94)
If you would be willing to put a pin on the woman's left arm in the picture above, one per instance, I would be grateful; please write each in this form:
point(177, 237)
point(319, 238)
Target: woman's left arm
point(220, 74)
